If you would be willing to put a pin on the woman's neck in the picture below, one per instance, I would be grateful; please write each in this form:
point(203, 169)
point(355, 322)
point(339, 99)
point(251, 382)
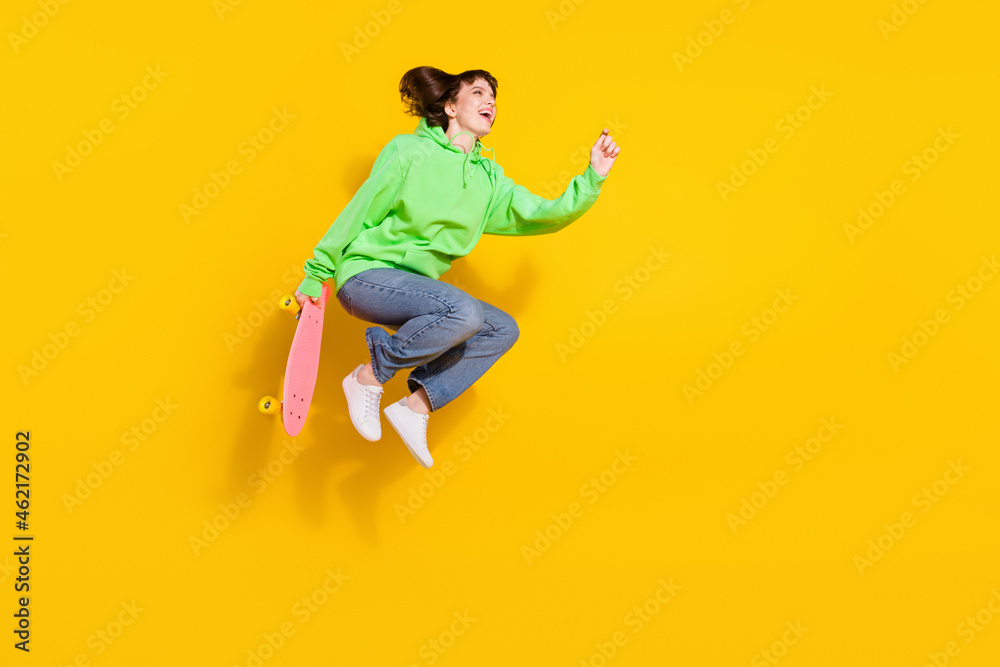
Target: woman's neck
point(460, 138)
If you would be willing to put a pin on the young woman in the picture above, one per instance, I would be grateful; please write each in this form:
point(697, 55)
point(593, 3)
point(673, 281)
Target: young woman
point(429, 198)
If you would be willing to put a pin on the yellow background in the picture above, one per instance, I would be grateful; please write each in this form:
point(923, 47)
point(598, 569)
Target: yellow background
point(563, 77)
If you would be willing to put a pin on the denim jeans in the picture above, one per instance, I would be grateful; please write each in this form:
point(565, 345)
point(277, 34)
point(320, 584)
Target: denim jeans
point(446, 336)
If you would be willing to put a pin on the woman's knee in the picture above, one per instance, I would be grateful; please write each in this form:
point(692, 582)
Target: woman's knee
point(469, 316)
point(503, 324)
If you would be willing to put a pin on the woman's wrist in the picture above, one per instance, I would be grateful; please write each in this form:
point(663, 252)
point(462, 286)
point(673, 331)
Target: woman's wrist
point(599, 174)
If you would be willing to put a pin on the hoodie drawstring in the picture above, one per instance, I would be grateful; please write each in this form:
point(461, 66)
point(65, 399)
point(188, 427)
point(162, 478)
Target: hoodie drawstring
point(475, 149)
point(490, 169)
point(465, 162)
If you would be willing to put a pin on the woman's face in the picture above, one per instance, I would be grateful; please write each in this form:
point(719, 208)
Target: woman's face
point(474, 110)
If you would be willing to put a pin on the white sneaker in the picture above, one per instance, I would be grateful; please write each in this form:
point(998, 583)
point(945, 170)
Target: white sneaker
point(362, 404)
point(412, 428)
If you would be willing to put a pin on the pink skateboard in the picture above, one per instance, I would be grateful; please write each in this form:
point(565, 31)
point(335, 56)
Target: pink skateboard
point(303, 363)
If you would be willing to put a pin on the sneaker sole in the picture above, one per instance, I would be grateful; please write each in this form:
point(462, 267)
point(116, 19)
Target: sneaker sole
point(392, 421)
point(350, 411)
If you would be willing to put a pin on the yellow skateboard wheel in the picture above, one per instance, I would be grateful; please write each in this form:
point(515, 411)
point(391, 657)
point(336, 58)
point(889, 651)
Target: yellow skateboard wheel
point(289, 304)
point(268, 405)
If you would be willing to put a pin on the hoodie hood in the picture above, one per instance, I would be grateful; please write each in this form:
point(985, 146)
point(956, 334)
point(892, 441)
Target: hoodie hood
point(473, 158)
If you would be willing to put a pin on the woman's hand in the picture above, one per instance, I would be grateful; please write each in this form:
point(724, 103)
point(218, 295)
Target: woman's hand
point(301, 298)
point(603, 154)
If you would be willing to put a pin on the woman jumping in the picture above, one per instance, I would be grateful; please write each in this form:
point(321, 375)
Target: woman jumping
point(428, 199)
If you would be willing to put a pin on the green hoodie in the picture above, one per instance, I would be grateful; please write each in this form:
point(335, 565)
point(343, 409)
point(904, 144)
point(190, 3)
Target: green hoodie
point(426, 203)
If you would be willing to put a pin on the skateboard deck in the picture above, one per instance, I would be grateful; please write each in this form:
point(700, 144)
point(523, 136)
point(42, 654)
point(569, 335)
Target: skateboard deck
point(303, 364)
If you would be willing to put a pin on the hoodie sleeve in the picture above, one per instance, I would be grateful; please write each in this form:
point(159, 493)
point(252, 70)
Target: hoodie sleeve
point(517, 212)
point(369, 206)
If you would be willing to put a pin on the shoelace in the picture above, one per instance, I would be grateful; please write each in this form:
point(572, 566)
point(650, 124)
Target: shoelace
point(423, 426)
point(372, 397)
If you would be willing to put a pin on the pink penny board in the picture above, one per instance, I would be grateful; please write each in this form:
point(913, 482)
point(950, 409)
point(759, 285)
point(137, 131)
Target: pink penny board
point(303, 364)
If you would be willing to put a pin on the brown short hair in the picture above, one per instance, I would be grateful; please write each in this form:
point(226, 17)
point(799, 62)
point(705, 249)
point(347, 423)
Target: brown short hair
point(425, 91)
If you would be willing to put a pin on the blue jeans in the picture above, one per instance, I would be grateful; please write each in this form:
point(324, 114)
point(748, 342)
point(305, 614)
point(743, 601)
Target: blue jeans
point(448, 337)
